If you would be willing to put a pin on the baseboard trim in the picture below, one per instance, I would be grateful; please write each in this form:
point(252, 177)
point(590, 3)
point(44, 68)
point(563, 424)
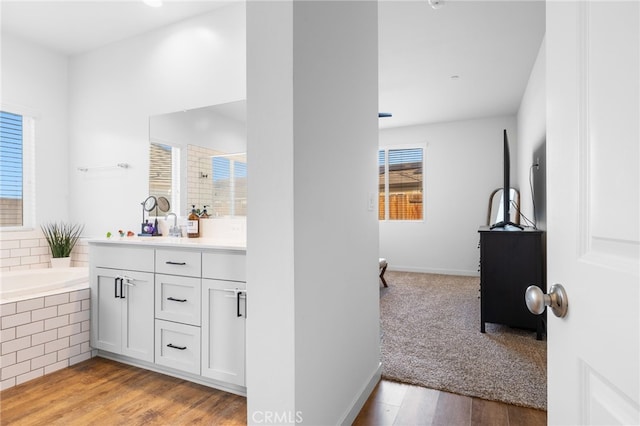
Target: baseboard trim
point(357, 404)
point(462, 272)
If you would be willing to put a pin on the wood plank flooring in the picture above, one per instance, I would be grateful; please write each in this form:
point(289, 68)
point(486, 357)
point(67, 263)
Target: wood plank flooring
point(103, 392)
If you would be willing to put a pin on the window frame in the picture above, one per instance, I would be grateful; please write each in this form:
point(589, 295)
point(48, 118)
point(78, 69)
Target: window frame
point(28, 167)
point(386, 149)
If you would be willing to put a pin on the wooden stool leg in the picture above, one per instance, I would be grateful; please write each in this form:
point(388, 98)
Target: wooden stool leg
point(382, 276)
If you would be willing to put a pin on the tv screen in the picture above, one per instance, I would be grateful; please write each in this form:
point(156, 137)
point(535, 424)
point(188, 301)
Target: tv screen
point(506, 223)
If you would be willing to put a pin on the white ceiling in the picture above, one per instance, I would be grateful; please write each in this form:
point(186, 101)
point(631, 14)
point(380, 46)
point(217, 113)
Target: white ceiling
point(490, 45)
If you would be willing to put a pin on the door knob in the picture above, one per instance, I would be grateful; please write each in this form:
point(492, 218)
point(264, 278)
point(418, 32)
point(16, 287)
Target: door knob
point(557, 299)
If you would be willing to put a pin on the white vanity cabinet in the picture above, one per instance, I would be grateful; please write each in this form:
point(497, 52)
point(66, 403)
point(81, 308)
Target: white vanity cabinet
point(177, 308)
point(224, 312)
point(122, 302)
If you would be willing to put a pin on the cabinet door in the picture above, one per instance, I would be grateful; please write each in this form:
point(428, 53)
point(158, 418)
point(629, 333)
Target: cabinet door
point(138, 315)
point(106, 315)
point(223, 331)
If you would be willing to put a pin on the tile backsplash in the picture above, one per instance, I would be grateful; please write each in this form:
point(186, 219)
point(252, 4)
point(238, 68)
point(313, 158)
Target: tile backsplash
point(29, 249)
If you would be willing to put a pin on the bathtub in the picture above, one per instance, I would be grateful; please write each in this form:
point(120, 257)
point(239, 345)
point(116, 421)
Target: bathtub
point(30, 283)
point(45, 322)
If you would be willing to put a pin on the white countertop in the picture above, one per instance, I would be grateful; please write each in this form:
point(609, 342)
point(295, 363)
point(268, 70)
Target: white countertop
point(201, 243)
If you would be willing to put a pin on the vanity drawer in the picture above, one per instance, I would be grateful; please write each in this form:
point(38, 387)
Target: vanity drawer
point(178, 346)
point(178, 262)
point(122, 257)
point(178, 299)
point(230, 266)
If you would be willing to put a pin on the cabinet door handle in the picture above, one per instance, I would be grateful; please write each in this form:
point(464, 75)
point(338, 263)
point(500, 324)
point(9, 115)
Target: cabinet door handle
point(176, 300)
point(168, 262)
point(171, 345)
point(121, 289)
point(115, 287)
point(238, 293)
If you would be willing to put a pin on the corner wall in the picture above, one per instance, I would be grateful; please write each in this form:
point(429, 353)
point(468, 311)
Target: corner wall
point(532, 141)
point(463, 165)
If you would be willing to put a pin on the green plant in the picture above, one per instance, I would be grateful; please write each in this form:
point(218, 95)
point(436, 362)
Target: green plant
point(61, 237)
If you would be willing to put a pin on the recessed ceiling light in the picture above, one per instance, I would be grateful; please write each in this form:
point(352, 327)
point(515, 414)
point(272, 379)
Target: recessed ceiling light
point(153, 3)
point(436, 4)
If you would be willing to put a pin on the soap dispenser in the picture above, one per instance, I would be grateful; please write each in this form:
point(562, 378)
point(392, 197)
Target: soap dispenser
point(193, 224)
point(204, 214)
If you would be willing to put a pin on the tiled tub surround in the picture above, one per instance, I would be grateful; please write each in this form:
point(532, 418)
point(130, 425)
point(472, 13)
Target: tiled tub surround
point(29, 249)
point(43, 334)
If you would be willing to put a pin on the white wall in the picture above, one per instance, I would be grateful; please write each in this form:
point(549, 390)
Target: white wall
point(532, 126)
point(34, 81)
point(463, 165)
point(313, 331)
point(113, 92)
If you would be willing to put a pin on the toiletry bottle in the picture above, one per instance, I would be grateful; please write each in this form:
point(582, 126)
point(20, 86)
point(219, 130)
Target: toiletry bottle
point(193, 224)
point(204, 214)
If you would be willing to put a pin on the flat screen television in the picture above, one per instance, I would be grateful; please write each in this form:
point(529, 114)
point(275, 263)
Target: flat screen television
point(505, 223)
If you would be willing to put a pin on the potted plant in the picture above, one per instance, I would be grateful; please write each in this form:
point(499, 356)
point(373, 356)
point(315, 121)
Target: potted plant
point(61, 237)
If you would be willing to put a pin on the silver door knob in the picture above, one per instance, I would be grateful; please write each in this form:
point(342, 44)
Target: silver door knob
point(556, 299)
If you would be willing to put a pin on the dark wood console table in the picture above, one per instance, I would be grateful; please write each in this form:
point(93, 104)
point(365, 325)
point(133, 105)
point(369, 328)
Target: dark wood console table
point(510, 261)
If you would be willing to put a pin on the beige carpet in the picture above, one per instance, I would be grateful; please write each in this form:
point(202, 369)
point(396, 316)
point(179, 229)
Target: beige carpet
point(431, 337)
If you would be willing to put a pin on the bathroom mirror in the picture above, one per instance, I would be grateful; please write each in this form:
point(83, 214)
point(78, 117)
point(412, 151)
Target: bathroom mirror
point(183, 145)
point(495, 214)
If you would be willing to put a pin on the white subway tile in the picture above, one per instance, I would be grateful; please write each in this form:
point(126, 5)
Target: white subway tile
point(7, 309)
point(44, 313)
point(79, 358)
point(86, 325)
point(67, 353)
point(45, 336)
point(77, 339)
point(15, 370)
point(69, 308)
point(57, 366)
point(8, 359)
point(19, 252)
point(86, 305)
point(31, 328)
point(33, 374)
point(85, 347)
point(56, 299)
point(9, 383)
point(16, 345)
point(79, 295)
point(21, 268)
point(16, 319)
point(69, 330)
point(33, 242)
point(29, 260)
point(11, 244)
point(10, 262)
point(56, 345)
point(44, 360)
point(79, 316)
point(30, 304)
point(30, 353)
point(5, 253)
point(7, 334)
point(56, 322)
point(38, 251)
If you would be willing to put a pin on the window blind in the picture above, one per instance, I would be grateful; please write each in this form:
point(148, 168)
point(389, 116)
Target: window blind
point(401, 183)
point(11, 169)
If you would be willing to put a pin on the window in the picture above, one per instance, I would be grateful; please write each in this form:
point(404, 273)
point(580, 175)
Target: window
point(16, 170)
point(229, 185)
point(401, 183)
point(164, 173)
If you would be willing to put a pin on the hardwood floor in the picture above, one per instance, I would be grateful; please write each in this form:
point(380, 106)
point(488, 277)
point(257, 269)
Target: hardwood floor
point(103, 392)
point(398, 404)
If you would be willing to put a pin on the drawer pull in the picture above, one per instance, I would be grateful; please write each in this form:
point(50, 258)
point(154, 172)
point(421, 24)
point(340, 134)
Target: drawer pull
point(171, 345)
point(168, 262)
point(173, 299)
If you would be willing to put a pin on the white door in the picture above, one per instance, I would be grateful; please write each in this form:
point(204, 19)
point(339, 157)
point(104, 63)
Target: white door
point(593, 190)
